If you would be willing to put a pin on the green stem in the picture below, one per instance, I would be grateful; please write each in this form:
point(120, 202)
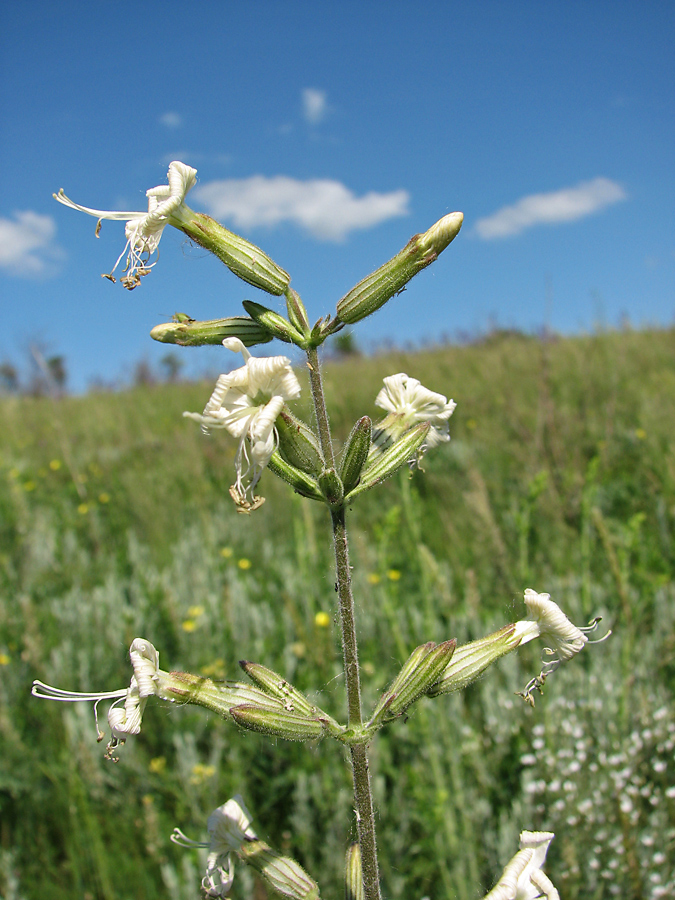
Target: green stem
point(359, 753)
point(316, 385)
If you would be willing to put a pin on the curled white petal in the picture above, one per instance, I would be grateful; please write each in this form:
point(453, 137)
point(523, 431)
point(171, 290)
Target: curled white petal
point(553, 624)
point(126, 712)
point(408, 403)
point(230, 825)
point(247, 402)
point(522, 878)
point(236, 345)
point(126, 718)
point(145, 661)
point(219, 876)
point(229, 828)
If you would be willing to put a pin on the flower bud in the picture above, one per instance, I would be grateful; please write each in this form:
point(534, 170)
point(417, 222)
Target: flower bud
point(374, 291)
point(297, 444)
point(355, 454)
point(297, 312)
point(300, 482)
point(278, 687)
point(398, 454)
point(278, 722)
point(273, 322)
point(419, 673)
point(284, 874)
point(331, 487)
point(220, 697)
point(189, 332)
point(353, 874)
point(247, 261)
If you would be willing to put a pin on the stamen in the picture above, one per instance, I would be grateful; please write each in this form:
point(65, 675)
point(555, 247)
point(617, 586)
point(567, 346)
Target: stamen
point(183, 841)
point(47, 692)
point(592, 626)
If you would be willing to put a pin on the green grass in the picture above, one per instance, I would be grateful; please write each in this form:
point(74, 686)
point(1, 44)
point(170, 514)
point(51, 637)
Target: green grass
point(115, 523)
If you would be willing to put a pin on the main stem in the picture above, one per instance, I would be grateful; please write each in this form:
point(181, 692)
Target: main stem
point(359, 755)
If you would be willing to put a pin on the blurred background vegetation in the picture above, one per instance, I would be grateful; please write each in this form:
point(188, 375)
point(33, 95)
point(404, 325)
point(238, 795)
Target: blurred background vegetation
point(115, 522)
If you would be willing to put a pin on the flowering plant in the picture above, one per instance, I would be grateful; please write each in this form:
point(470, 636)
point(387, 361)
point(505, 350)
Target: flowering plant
point(251, 404)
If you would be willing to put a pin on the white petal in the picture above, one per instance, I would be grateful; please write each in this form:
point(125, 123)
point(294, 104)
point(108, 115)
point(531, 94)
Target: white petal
point(567, 639)
point(236, 346)
point(391, 396)
point(263, 441)
point(126, 719)
point(230, 826)
point(145, 660)
point(272, 375)
point(219, 875)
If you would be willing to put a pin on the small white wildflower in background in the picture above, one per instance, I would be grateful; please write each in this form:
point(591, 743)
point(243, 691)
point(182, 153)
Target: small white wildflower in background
point(125, 719)
point(408, 403)
point(144, 229)
point(522, 879)
point(247, 402)
point(229, 828)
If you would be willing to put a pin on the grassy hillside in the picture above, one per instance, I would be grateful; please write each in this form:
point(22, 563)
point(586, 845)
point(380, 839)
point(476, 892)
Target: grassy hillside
point(115, 522)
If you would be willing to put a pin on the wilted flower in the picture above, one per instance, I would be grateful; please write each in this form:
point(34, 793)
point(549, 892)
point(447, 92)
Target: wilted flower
point(123, 719)
point(144, 229)
point(522, 879)
point(408, 403)
point(229, 827)
point(247, 402)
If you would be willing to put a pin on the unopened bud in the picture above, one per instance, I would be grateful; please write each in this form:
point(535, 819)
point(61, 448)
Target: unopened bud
point(282, 873)
point(331, 487)
point(355, 453)
point(278, 722)
point(420, 672)
point(189, 332)
point(471, 660)
point(297, 312)
point(273, 322)
point(300, 482)
point(374, 291)
point(247, 261)
point(398, 454)
point(218, 697)
point(278, 687)
point(297, 444)
point(353, 874)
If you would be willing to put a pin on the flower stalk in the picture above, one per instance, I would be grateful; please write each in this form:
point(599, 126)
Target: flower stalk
point(359, 755)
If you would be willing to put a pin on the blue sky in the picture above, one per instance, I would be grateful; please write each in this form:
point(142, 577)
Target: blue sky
point(329, 134)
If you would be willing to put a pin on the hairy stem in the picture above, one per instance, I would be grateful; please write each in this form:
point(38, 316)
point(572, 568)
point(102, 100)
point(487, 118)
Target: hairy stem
point(359, 754)
point(316, 385)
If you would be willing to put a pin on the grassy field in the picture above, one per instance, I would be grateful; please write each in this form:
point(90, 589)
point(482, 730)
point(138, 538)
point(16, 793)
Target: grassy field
point(115, 523)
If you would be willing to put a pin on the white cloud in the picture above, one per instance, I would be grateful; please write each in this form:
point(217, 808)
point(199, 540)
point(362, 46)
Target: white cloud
point(26, 244)
point(171, 120)
point(326, 209)
point(314, 106)
point(565, 205)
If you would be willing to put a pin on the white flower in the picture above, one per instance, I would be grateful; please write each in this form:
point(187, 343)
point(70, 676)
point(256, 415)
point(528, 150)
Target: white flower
point(247, 402)
point(408, 403)
point(522, 879)
point(547, 620)
point(229, 827)
point(144, 229)
point(126, 719)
